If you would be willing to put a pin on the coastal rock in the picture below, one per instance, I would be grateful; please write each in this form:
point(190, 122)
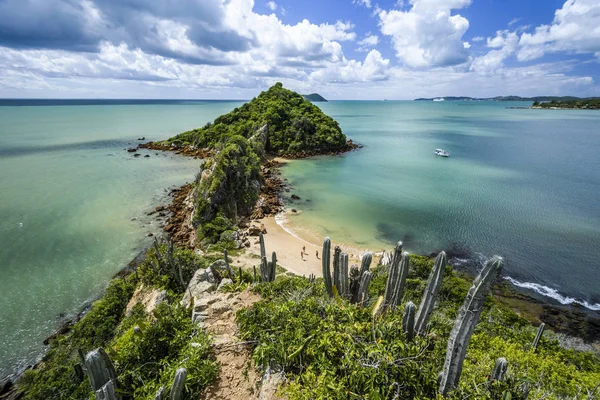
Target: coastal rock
point(254, 230)
point(220, 307)
point(295, 197)
point(131, 150)
point(137, 155)
point(150, 299)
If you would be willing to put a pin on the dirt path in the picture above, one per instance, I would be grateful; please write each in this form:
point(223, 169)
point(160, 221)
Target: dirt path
point(237, 380)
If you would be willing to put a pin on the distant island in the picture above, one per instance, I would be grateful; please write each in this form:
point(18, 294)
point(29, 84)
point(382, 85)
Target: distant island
point(508, 98)
point(582, 104)
point(314, 97)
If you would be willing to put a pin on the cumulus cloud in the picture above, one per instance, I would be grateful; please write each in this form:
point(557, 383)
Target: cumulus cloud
point(428, 34)
point(366, 3)
point(374, 68)
point(575, 29)
point(368, 42)
point(503, 45)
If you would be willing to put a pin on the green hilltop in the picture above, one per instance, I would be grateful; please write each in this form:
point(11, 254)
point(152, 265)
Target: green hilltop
point(295, 125)
point(314, 97)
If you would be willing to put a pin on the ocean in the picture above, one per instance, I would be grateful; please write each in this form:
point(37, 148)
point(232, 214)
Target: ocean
point(524, 184)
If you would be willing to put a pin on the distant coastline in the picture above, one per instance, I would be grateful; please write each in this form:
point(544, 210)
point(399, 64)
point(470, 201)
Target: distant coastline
point(562, 99)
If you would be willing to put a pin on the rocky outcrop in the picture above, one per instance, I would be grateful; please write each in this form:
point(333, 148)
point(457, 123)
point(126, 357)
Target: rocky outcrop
point(150, 298)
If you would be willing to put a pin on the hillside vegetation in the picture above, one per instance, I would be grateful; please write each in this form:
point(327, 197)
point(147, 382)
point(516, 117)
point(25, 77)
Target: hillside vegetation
point(583, 104)
point(294, 125)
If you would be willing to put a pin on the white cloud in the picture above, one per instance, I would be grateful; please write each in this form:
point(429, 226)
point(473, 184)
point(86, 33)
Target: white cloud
point(478, 39)
point(366, 3)
point(575, 29)
point(427, 35)
point(374, 68)
point(504, 45)
point(368, 42)
point(272, 5)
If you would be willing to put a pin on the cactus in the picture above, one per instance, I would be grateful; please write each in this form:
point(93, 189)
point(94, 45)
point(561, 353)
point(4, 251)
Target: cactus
point(263, 252)
point(325, 261)
point(468, 316)
point(343, 275)
point(107, 392)
point(538, 336)
point(273, 269)
point(160, 395)
point(365, 263)
point(363, 290)
point(408, 321)
point(178, 384)
point(499, 370)
point(99, 369)
point(337, 255)
point(354, 284)
point(392, 276)
point(434, 283)
point(229, 270)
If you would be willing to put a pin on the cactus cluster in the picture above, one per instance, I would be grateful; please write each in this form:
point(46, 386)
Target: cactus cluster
point(267, 268)
point(167, 264)
point(349, 283)
point(408, 321)
point(468, 316)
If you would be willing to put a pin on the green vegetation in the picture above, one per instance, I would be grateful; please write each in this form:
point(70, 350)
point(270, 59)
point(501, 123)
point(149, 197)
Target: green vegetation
point(331, 349)
point(295, 125)
point(144, 360)
point(314, 97)
point(583, 104)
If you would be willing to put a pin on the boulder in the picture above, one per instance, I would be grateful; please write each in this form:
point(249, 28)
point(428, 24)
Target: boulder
point(253, 230)
point(295, 197)
point(224, 282)
point(201, 283)
point(220, 307)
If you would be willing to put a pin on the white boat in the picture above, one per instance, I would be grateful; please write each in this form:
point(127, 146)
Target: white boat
point(441, 153)
point(439, 99)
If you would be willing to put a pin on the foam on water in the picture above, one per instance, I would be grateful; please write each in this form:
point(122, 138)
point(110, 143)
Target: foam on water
point(553, 294)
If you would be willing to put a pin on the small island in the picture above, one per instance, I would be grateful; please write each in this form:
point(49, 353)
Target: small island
point(581, 104)
point(314, 97)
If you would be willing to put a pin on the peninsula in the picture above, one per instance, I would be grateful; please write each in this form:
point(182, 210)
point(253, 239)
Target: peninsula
point(215, 315)
point(581, 104)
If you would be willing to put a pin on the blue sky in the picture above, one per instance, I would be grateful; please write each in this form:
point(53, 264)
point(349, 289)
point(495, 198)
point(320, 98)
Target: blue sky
point(343, 49)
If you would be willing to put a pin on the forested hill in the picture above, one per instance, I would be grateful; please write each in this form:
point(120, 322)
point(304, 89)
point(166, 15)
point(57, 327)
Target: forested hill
point(583, 104)
point(314, 97)
point(504, 98)
point(295, 126)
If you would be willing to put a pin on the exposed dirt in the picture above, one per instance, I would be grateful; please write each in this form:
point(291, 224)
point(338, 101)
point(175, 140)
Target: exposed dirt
point(179, 223)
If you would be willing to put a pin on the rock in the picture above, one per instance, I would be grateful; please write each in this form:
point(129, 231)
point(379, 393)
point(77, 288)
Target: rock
point(150, 299)
point(142, 138)
point(150, 234)
point(201, 283)
point(133, 219)
point(294, 210)
point(295, 197)
point(131, 150)
point(147, 156)
point(270, 384)
point(199, 317)
point(219, 265)
point(137, 155)
point(224, 282)
point(247, 243)
point(220, 307)
point(254, 231)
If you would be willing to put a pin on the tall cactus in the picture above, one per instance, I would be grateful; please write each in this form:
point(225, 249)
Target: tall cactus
point(392, 275)
point(408, 321)
point(325, 261)
point(263, 251)
point(434, 283)
point(343, 275)
point(160, 394)
point(273, 269)
point(468, 316)
point(538, 336)
point(178, 384)
point(337, 260)
point(363, 290)
point(99, 369)
point(365, 262)
point(227, 266)
point(354, 284)
point(499, 370)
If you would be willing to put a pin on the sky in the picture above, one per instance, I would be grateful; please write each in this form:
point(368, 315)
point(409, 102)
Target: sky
point(342, 49)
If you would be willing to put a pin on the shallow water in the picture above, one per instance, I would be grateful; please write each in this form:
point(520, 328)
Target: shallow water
point(68, 194)
point(524, 184)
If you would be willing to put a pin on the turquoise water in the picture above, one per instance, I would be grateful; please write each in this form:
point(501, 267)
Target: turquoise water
point(524, 184)
point(68, 194)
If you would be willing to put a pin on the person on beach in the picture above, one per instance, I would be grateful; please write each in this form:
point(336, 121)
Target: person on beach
point(317, 254)
point(304, 249)
point(302, 255)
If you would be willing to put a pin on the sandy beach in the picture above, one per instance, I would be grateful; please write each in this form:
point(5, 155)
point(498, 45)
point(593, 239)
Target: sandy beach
point(289, 247)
